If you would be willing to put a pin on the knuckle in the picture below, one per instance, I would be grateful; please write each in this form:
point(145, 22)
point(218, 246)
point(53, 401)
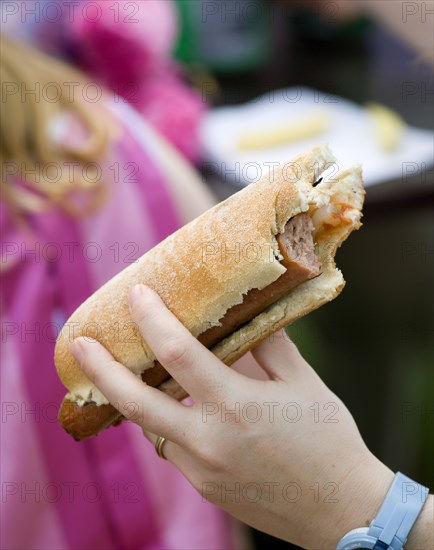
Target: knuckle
point(173, 352)
point(132, 411)
point(140, 314)
point(210, 456)
point(92, 373)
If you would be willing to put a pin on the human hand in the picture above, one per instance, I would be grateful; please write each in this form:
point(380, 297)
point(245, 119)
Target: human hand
point(283, 455)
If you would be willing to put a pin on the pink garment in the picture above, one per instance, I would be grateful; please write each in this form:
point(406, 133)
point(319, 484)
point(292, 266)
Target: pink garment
point(112, 491)
point(130, 52)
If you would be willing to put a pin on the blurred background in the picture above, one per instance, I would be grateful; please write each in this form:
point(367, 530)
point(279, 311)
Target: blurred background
point(204, 75)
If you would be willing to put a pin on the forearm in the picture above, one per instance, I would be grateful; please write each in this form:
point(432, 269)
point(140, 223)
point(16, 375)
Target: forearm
point(190, 194)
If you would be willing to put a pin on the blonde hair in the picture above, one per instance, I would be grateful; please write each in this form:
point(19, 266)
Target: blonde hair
point(26, 145)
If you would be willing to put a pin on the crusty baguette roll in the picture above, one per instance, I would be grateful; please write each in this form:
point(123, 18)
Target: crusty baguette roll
point(209, 265)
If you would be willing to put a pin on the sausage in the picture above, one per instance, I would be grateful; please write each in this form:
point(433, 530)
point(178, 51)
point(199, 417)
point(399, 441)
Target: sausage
point(90, 419)
point(298, 250)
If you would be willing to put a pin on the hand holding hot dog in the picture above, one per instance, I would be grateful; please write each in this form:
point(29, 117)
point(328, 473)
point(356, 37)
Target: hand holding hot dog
point(263, 450)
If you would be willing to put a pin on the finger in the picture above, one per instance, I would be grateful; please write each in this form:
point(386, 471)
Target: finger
point(249, 367)
point(138, 402)
point(192, 365)
point(278, 356)
point(185, 459)
point(172, 452)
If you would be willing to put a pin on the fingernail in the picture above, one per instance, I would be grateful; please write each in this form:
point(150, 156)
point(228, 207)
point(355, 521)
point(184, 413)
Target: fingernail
point(77, 350)
point(136, 293)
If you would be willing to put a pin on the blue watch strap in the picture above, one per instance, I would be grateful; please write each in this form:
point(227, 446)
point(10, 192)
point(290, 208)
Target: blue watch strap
point(400, 509)
point(393, 522)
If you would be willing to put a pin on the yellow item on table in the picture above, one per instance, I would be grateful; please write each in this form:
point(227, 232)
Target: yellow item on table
point(389, 126)
point(303, 128)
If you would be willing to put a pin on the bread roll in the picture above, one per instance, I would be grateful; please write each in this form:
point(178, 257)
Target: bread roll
point(209, 265)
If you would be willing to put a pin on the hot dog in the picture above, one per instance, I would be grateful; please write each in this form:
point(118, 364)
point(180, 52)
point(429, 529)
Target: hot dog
point(297, 248)
point(239, 272)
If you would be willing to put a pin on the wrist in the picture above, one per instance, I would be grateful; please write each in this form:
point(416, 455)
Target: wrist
point(389, 514)
point(362, 492)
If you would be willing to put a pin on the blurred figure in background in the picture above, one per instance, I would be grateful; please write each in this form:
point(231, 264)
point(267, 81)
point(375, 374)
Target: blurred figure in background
point(87, 187)
point(126, 46)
